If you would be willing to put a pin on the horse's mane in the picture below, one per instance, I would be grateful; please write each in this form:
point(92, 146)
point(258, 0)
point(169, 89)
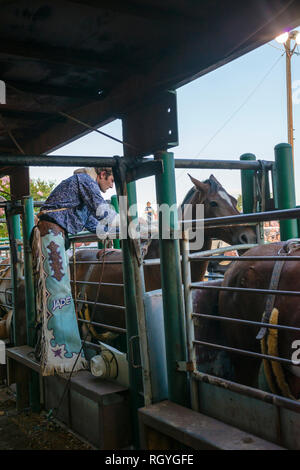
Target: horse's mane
point(188, 197)
point(215, 186)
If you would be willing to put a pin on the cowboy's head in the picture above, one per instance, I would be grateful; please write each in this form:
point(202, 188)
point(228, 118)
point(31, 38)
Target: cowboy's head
point(105, 178)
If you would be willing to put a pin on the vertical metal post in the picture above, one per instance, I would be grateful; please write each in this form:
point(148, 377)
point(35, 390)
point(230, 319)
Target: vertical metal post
point(19, 331)
point(247, 177)
point(171, 282)
point(248, 184)
point(140, 291)
point(285, 185)
point(190, 329)
point(28, 224)
point(139, 377)
point(15, 236)
point(115, 204)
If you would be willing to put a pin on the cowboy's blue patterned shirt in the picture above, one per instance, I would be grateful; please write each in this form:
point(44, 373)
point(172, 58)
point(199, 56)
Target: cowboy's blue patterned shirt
point(85, 207)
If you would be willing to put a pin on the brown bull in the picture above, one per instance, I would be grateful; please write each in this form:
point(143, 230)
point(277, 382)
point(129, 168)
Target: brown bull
point(250, 306)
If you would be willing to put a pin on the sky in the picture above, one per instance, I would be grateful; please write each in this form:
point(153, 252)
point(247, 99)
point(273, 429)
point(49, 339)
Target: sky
point(238, 108)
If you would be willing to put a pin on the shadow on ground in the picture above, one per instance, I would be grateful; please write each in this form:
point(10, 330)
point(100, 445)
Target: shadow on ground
point(32, 431)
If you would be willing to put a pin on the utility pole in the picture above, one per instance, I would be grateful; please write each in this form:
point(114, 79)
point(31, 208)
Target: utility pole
point(290, 126)
point(285, 39)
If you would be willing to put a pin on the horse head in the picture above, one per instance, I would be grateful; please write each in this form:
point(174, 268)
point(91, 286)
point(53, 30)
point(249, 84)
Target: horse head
point(218, 203)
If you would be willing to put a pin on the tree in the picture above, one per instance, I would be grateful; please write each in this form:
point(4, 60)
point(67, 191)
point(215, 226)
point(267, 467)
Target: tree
point(39, 190)
point(239, 203)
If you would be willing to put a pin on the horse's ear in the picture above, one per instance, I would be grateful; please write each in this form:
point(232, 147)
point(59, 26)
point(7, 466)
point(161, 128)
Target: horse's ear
point(213, 178)
point(202, 187)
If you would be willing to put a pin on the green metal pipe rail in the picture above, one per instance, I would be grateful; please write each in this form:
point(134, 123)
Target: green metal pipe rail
point(244, 219)
point(247, 177)
point(285, 183)
point(28, 224)
point(63, 160)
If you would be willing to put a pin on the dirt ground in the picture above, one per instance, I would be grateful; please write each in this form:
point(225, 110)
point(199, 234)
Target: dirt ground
point(32, 431)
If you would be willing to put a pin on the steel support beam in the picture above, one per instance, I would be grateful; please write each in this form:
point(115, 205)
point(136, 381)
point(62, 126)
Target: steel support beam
point(19, 182)
point(57, 55)
point(40, 88)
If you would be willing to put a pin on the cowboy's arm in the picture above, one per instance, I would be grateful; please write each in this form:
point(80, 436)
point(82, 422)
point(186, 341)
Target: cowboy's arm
point(90, 194)
point(91, 224)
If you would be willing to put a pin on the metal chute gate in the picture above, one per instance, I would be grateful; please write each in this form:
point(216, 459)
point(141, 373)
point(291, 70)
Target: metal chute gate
point(174, 305)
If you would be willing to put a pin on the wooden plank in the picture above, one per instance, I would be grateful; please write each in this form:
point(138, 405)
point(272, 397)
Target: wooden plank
point(196, 430)
point(95, 388)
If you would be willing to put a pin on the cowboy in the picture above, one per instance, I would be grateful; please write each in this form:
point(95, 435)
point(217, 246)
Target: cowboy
point(76, 203)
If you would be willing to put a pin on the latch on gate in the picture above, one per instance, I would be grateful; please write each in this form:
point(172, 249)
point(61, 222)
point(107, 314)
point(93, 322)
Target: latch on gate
point(185, 366)
point(131, 352)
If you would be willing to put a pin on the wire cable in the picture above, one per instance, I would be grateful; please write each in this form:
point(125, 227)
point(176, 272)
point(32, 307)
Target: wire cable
point(238, 109)
point(241, 105)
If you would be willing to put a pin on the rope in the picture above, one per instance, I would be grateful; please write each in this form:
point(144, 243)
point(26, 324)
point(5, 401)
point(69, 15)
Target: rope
point(72, 118)
point(68, 116)
point(273, 370)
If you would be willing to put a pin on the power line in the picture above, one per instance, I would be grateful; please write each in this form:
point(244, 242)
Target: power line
point(238, 109)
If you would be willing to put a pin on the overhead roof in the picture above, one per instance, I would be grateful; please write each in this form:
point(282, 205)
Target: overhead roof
point(96, 59)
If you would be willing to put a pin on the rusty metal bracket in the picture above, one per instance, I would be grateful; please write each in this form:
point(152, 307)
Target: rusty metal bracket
point(13, 208)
